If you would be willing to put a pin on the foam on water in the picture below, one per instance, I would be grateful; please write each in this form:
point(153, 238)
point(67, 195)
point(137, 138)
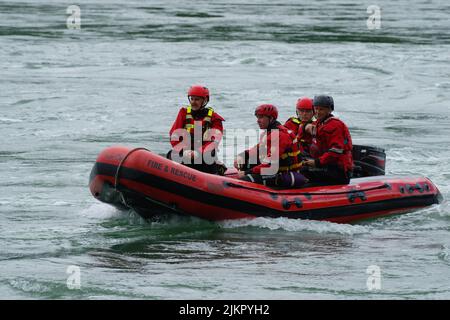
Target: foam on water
point(67, 94)
point(102, 211)
point(62, 203)
point(443, 209)
point(444, 254)
point(8, 120)
point(297, 225)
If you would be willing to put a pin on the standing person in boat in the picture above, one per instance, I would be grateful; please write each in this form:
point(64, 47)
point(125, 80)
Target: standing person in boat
point(305, 116)
point(196, 133)
point(331, 150)
point(271, 163)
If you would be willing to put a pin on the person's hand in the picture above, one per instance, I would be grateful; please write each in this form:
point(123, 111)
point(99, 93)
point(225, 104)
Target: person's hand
point(241, 174)
point(238, 162)
point(309, 128)
point(309, 163)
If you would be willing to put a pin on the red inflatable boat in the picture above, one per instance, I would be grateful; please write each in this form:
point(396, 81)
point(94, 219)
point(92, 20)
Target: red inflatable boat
point(151, 185)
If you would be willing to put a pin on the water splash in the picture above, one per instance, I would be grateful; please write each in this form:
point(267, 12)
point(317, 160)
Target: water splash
point(443, 209)
point(444, 254)
point(295, 225)
point(102, 211)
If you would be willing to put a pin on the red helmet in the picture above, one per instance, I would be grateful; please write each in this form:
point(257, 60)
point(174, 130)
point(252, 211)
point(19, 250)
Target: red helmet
point(198, 91)
point(267, 110)
point(304, 104)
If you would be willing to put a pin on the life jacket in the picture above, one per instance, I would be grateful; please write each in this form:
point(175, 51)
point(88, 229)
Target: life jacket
point(290, 159)
point(189, 123)
point(204, 115)
point(305, 139)
point(293, 124)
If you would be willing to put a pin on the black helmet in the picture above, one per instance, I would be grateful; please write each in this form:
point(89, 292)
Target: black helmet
point(323, 101)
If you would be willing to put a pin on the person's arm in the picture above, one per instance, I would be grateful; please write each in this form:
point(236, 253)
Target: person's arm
point(310, 128)
point(247, 159)
point(336, 147)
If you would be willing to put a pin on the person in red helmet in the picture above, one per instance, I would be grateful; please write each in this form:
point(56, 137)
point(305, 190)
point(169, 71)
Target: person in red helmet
point(271, 166)
point(331, 150)
point(196, 133)
point(305, 116)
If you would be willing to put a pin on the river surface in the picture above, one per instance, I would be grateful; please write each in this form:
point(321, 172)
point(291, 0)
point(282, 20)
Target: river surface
point(66, 94)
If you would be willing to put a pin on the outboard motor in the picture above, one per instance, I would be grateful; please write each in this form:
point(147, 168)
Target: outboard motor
point(368, 161)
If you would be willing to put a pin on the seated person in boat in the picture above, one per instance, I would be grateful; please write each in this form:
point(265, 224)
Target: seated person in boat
point(196, 133)
point(331, 149)
point(305, 116)
point(274, 161)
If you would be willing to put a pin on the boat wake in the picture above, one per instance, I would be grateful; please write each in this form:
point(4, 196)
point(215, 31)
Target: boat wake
point(102, 211)
point(105, 212)
point(294, 225)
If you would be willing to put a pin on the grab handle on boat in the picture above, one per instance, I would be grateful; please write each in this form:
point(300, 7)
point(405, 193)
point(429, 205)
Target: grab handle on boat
point(287, 204)
point(385, 185)
point(116, 177)
point(356, 194)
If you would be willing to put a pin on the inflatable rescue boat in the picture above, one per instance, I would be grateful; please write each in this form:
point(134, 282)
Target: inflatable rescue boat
point(152, 185)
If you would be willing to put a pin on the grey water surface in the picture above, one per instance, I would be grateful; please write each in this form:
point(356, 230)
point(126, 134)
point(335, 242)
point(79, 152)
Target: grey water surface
point(66, 94)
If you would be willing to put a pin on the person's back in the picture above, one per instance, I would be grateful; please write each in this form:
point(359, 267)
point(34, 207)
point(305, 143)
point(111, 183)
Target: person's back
point(196, 133)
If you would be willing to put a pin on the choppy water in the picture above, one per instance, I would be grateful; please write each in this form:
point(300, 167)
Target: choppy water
point(67, 94)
